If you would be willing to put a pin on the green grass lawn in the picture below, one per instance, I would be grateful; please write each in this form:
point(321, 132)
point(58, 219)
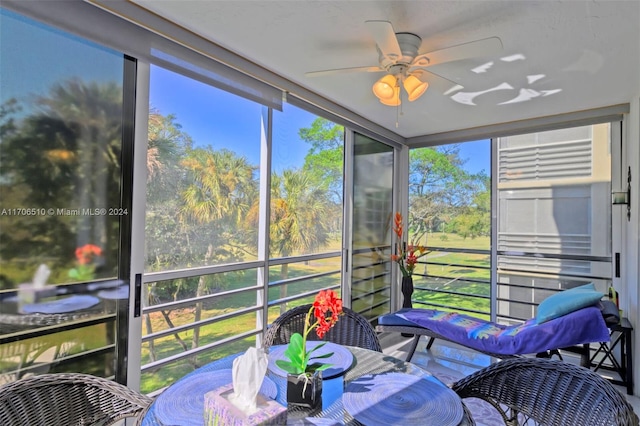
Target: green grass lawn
point(441, 239)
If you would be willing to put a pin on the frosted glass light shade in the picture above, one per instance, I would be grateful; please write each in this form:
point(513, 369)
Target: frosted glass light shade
point(394, 100)
point(414, 87)
point(385, 88)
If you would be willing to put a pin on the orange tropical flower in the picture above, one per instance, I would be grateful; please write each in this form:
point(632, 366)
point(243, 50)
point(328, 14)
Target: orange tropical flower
point(406, 255)
point(326, 308)
point(326, 301)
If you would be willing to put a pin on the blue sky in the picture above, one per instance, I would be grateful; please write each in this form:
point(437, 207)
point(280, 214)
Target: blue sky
point(477, 155)
point(23, 75)
point(219, 119)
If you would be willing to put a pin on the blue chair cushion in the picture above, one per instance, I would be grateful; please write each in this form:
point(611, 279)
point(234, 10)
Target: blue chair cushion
point(394, 318)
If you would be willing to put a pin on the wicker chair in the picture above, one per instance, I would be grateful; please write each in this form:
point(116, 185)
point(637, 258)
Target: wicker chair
point(352, 329)
point(548, 392)
point(68, 399)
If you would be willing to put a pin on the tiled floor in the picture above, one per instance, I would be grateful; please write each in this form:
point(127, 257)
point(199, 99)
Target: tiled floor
point(449, 362)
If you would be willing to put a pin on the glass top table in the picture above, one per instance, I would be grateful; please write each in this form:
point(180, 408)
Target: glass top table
point(332, 412)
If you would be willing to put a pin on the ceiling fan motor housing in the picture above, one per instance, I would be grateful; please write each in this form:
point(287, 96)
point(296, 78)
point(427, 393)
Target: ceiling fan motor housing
point(409, 45)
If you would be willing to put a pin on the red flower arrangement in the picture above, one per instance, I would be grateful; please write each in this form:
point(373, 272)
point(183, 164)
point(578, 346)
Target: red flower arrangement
point(326, 308)
point(85, 256)
point(407, 254)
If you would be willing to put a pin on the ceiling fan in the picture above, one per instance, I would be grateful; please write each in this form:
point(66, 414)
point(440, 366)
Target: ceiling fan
point(399, 59)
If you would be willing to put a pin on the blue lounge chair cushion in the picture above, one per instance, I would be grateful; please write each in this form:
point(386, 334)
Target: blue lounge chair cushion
point(396, 319)
point(584, 325)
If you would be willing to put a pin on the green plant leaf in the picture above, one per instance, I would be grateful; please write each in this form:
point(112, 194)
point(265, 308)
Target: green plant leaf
point(317, 366)
point(295, 351)
point(296, 341)
point(289, 367)
point(322, 356)
point(315, 348)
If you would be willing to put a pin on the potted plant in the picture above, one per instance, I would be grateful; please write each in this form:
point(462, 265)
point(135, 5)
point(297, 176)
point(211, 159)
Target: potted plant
point(304, 368)
point(85, 256)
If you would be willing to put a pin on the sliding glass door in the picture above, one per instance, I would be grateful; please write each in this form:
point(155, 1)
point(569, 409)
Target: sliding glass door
point(373, 173)
point(65, 194)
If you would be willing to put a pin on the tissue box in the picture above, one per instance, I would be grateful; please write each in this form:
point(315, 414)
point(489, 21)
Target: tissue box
point(219, 411)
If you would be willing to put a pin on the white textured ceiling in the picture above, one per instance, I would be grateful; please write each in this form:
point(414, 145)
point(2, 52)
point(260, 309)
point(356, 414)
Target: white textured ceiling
point(560, 56)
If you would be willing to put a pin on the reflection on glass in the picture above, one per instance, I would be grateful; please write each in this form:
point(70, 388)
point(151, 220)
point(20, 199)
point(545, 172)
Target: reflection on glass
point(554, 217)
point(61, 125)
point(372, 222)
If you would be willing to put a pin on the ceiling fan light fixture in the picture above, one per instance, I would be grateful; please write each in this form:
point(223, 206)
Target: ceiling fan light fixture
point(414, 87)
point(386, 88)
point(394, 100)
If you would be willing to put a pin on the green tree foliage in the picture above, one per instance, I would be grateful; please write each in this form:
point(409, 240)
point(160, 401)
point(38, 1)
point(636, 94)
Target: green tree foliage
point(215, 204)
point(440, 190)
point(198, 200)
point(474, 220)
point(299, 208)
point(167, 145)
point(325, 158)
point(299, 221)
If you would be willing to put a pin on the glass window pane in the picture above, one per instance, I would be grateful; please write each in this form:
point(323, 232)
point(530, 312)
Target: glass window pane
point(306, 183)
point(554, 215)
point(372, 226)
point(61, 126)
point(306, 203)
point(450, 213)
point(61, 131)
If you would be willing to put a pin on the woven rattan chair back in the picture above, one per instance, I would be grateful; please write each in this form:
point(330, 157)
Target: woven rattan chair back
point(68, 399)
point(352, 329)
point(535, 391)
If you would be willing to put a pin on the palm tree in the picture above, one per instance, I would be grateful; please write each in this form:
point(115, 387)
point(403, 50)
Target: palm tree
point(167, 144)
point(165, 148)
point(299, 217)
point(221, 191)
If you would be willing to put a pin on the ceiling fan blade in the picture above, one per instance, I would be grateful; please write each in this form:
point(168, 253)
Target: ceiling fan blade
point(385, 37)
point(486, 47)
point(342, 71)
point(433, 78)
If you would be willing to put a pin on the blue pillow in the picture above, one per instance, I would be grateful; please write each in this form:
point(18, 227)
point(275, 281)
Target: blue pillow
point(566, 302)
point(589, 286)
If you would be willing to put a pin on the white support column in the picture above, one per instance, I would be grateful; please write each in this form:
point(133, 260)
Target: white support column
point(138, 221)
point(401, 204)
point(262, 317)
